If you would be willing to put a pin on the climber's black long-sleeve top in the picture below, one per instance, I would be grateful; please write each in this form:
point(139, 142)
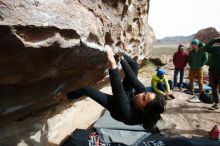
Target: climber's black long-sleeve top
point(120, 104)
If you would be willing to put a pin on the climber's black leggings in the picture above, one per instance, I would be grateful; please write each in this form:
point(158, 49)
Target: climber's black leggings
point(118, 103)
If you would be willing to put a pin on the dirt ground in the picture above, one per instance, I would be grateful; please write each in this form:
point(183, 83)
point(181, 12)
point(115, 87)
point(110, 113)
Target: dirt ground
point(181, 117)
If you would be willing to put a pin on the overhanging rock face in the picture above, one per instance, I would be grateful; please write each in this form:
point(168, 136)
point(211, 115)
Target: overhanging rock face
point(49, 47)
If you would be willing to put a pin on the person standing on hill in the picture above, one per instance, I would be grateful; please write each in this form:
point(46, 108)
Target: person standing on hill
point(180, 62)
point(197, 59)
point(214, 69)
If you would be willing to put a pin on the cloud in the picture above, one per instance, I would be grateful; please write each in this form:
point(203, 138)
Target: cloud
point(183, 17)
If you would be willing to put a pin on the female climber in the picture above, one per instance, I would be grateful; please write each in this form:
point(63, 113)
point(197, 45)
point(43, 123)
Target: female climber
point(130, 103)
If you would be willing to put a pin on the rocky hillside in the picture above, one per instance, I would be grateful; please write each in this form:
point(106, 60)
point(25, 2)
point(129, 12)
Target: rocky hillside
point(174, 40)
point(203, 35)
point(206, 34)
point(49, 47)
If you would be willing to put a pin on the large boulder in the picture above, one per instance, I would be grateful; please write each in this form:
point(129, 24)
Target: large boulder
point(50, 47)
point(205, 35)
point(51, 126)
point(160, 60)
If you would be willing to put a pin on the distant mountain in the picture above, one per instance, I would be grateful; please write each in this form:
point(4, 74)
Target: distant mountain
point(175, 39)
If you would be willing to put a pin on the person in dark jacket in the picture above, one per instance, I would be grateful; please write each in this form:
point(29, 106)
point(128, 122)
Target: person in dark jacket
point(214, 69)
point(180, 62)
point(131, 108)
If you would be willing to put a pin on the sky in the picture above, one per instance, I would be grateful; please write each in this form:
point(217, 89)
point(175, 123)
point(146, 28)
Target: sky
point(183, 17)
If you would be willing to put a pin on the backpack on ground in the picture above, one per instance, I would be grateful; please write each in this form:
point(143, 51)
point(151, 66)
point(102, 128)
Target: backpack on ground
point(206, 98)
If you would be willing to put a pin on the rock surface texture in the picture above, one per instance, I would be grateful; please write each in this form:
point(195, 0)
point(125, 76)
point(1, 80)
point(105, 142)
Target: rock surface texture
point(51, 126)
point(49, 47)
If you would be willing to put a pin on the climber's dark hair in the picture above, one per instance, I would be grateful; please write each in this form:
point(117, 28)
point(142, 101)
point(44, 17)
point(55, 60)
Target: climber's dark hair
point(152, 113)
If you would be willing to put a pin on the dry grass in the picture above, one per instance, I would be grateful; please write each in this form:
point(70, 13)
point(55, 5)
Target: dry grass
point(168, 49)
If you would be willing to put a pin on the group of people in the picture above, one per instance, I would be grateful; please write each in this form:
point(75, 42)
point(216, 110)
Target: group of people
point(197, 56)
point(131, 104)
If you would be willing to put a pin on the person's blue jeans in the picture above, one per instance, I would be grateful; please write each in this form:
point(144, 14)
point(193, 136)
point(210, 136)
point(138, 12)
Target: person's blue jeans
point(176, 72)
point(161, 86)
